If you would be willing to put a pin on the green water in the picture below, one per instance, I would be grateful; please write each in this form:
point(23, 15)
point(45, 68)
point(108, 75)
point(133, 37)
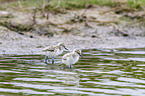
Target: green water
point(99, 73)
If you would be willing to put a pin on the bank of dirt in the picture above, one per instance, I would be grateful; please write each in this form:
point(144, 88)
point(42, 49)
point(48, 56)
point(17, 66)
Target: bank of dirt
point(97, 27)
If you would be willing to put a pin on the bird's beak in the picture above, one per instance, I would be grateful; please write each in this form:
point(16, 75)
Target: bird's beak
point(81, 55)
point(66, 48)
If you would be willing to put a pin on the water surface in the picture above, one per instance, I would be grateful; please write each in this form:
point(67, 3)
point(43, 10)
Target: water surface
point(100, 73)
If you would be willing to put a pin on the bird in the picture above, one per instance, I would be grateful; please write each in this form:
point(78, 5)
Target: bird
point(72, 57)
point(53, 51)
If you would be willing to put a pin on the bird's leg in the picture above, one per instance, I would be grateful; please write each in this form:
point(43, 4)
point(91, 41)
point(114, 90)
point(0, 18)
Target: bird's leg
point(53, 60)
point(70, 66)
point(46, 59)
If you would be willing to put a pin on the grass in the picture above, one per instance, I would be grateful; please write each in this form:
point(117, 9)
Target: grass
point(136, 3)
point(77, 4)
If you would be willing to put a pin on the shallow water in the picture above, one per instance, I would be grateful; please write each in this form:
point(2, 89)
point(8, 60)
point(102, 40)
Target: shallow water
point(99, 73)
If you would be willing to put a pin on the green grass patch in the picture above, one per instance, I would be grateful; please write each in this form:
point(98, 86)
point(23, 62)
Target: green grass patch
point(76, 4)
point(136, 3)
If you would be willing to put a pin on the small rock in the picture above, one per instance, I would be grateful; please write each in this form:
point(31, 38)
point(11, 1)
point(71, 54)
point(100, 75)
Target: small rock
point(4, 14)
point(31, 36)
point(125, 34)
point(94, 36)
point(21, 33)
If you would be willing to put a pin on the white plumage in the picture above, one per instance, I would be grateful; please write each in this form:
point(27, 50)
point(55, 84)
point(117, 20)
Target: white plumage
point(72, 57)
point(53, 51)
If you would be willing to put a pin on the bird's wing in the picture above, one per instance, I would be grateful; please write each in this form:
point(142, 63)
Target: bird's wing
point(49, 48)
point(66, 55)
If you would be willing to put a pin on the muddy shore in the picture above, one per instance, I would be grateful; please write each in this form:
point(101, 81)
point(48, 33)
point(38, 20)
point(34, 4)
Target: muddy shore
point(13, 43)
point(84, 35)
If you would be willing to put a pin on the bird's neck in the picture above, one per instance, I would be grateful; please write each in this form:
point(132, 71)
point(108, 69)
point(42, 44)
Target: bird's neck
point(60, 47)
point(75, 54)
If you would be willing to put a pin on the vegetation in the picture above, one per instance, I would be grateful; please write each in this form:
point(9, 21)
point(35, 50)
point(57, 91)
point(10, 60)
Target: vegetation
point(130, 9)
point(73, 4)
point(82, 3)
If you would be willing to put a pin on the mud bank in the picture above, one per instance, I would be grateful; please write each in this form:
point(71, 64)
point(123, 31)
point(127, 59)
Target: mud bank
point(100, 27)
point(14, 43)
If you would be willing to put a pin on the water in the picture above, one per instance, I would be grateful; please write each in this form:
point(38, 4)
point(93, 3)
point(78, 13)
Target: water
point(99, 73)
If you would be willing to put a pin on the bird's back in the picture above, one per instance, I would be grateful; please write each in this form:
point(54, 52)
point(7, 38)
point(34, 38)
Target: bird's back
point(72, 58)
point(66, 56)
point(49, 48)
point(53, 50)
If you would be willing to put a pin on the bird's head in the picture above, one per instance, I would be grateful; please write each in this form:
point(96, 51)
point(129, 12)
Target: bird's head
point(61, 44)
point(78, 51)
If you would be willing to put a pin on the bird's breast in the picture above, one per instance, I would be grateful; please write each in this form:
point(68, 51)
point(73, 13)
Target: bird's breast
point(75, 58)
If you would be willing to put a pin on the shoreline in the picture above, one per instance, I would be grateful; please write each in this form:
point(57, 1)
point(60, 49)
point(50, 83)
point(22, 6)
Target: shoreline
point(24, 45)
point(101, 28)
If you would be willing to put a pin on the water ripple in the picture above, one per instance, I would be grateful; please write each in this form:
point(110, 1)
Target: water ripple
point(99, 73)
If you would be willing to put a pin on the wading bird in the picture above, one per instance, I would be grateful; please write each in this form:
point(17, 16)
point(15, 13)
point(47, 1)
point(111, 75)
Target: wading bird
point(72, 57)
point(53, 51)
